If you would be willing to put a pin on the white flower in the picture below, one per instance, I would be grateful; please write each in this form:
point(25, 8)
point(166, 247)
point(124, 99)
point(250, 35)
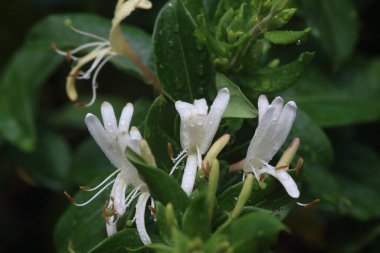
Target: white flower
point(102, 49)
point(198, 128)
point(275, 122)
point(113, 139)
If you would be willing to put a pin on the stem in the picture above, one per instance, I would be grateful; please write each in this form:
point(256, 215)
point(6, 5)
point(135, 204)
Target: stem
point(243, 196)
point(255, 32)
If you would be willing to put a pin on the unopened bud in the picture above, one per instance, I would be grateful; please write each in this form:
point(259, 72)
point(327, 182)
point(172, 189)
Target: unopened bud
point(170, 217)
point(289, 153)
point(216, 148)
point(146, 153)
point(244, 195)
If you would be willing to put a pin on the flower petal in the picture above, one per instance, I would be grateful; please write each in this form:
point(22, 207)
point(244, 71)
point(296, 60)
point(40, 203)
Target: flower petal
point(214, 117)
point(262, 106)
point(140, 218)
point(111, 228)
point(285, 179)
point(109, 147)
point(109, 119)
point(118, 193)
point(190, 173)
point(125, 118)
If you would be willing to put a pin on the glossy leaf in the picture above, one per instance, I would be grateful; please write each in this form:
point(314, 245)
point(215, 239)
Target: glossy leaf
point(239, 105)
point(119, 242)
point(183, 67)
point(274, 79)
point(161, 128)
point(286, 37)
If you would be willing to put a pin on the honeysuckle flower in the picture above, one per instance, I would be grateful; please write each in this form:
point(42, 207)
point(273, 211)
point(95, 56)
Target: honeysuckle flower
point(113, 139)
point(275, 122)
point(102, 49)
point(197, 130)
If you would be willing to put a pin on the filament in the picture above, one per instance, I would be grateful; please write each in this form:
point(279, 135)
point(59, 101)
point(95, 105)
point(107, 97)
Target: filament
point(93, 197)
point(102, 183)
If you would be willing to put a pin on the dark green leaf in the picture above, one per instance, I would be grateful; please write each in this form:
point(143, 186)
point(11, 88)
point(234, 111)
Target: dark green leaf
point(162, 187)
point(195, 220)
point(274, 79)
point(161, 128)
point(18, 84)
point(81, 227)
point(49, 164)
point(350, 98)
point(286, 37)
point(183, 67)
point(334, 24)
point(239, 106)
point(119, 242)
point(253, 232)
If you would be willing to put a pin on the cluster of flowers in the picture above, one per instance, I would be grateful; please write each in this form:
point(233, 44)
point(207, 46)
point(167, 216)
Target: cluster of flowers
point(197, 130)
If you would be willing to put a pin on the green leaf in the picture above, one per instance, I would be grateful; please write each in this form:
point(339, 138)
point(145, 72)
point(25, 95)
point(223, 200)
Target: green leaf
point(161, 128)
point(81, 227)
point(19, 82)
point(119, 242)
point(286, 37)
point(274, 79)
point(161, 186)
point(239, 106)
point(335, 25)
point(252, 233)
point(49, 164)
point(351, 97)
point(184, 68)
point(195, 220)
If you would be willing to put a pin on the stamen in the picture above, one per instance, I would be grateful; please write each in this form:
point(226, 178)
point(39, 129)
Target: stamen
point(177, 163)
point(69, 24)
point(94, 65)
point(170, 151)
point(134, 195)
point(93, 197)
point(152, 210)
point(183, 152)
point(311, 204)
point(86, 188)
point(262, 177)
point(71, 199)
point(68, 56)
point(298, 165)
point(88, 45)
point(281, 167)
point(94, 84)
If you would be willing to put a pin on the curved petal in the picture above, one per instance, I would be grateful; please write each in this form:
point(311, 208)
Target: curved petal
point(262, 106)
point(109, 119)
point(140, 218)
point(134, 140)
point(111, 228)
point(213, 119)
point(118, 193)
point(189, 174)
point(285, 179)
point(109, 147)
point(125, 118)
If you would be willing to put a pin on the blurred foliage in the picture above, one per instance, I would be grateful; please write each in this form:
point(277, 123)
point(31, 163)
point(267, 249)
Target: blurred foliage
point(324, 56)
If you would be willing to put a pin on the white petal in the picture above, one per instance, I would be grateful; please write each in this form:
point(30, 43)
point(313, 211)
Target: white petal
point(140, 218)
point(262, 145)
point(133, 176)
point(118, 193)
point(201, 106)
point(190, 173)
point(109, 118)
point(105, 141)
point(285, 179)
point(125, 118)
point(184, 109)
point(214, 117)
point(134, 140)
point(262, 106)
point(111, 229)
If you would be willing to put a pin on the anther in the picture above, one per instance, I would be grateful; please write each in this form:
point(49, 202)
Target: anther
point(68, 56)
point(71, 199)
point(170, 150)
point(85, 188)
point(152, 210)
point(281, 167)
point(53, 46)
point(79, 105)
point(299, 165)
point(311, 204)
point(262, 177)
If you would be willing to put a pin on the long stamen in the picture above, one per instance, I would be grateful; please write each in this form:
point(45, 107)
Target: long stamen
point(88, 45)
point(177, 163)
point(69, 24)
point(312, 203)
point(87, 74)
point(91, 199)
point(94, 83)
point(183, 152)
point(131, 198)
point(89, 189)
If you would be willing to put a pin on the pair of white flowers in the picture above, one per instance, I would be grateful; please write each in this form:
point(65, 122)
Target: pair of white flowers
point(198, 128)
